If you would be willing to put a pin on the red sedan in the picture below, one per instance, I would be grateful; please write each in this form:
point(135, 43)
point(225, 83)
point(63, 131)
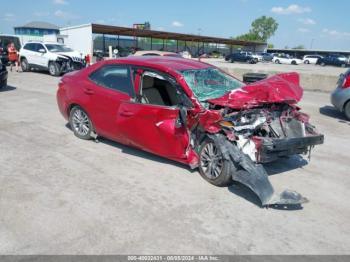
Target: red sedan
point(193, 113)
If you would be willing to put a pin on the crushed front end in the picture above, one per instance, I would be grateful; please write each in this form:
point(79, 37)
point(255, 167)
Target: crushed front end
point(261, 123)
point(271, 132)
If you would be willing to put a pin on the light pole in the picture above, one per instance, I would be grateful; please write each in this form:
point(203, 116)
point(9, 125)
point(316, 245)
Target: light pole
point(312, 43)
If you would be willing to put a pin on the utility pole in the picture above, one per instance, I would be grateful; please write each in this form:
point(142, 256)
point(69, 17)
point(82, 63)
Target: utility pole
point(312, 43)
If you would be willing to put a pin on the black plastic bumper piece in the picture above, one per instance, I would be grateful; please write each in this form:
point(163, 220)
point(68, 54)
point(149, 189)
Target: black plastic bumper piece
point(3, 79)
point(272, 149)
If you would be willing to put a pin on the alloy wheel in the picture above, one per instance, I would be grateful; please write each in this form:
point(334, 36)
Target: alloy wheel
point(211, 161)
point(81, 123)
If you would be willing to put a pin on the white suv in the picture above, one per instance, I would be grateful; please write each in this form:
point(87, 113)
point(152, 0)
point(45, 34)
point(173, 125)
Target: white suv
point(311, 59)
point(53, 57)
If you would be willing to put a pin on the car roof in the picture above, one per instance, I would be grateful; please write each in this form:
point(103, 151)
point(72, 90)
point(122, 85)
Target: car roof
point(163, 62)
point(44, 43)
point(145, 52)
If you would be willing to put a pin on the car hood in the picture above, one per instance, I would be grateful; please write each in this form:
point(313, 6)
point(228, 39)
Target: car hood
point(69, 54)
point(280, 88)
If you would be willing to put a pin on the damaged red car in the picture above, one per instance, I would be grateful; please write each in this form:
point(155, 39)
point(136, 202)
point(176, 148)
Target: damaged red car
point(193, 113)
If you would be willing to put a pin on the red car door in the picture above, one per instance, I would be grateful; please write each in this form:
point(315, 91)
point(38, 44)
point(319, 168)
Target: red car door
point(153, 128)
point(105, 90)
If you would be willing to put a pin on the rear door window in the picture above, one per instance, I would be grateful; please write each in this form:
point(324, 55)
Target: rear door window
point(116, 77)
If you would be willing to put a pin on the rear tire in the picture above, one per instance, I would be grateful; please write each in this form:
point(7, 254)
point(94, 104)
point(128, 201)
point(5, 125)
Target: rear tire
point(80, 123)
point(294, 63)
point(212, 166)
point(307, 62)
point(24, 65)
point(54, 69)
point(347, 110)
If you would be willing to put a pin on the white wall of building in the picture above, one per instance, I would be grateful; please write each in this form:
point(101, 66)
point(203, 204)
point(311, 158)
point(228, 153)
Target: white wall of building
point(79, 38)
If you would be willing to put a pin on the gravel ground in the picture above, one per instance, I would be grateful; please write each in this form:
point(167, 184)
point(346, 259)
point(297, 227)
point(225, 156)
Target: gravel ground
point(62, 195)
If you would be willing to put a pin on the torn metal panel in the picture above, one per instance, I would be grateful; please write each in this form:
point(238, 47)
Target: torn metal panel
point(254, 176)
point(281, 88)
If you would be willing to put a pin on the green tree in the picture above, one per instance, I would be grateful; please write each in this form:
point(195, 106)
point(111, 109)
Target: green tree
point(262, 29)
point(298, 47)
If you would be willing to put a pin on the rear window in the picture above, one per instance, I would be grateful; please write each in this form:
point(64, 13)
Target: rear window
point(116, 77)
point(6, 40)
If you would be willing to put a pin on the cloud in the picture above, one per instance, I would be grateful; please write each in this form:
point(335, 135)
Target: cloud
point(303, 30)
point(307, 21)
point(41, 14)
point(65, 15)
point(335, 33)
point(177, 24)
point(8, 17)
point(60, 2)
point(292, 9)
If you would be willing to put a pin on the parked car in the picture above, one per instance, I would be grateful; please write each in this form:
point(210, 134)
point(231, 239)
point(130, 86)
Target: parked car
point(311, 59)
point(156, 53)
point(257, 56)
point(193, 113)
point(286, 59)
point(53, 57)
point(186, 54)
point(341, 95)
point(5, 40)
point(336, 60)
point(243, 57)
point(266, 57)
point(3, 75)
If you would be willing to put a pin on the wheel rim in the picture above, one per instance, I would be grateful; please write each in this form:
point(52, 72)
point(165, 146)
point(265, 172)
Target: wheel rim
point(52, 69)
point(211, 161)
point(81, 123)
point(24, 65)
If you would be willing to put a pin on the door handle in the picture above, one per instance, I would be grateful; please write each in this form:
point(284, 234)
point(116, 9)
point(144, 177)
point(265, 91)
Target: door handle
point(88, 91)
point(127, 113)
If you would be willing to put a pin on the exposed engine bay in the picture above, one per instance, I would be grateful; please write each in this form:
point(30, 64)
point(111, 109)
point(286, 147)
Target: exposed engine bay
point(270, 132)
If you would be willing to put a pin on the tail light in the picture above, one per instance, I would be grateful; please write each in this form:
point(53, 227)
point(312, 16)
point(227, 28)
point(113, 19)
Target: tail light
point(346, 83)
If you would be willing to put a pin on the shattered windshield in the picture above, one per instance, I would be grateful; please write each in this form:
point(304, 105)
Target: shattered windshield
point(210, 83)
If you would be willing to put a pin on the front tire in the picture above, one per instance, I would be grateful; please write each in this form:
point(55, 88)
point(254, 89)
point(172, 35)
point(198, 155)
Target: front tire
point(212, 166)
point(277, 61)
point(24, 65)
point(294, 62)
point(347, 110)
point(80, 123)
point(54, 69)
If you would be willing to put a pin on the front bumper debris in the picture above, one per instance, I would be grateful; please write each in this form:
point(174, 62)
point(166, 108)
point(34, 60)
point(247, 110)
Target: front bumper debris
point(272, 149)
point(255, 177)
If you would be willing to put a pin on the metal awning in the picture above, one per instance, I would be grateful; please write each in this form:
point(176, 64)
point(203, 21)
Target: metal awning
point(126, 31)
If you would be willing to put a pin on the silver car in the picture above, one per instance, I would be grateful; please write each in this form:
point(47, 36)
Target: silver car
point(340, 97)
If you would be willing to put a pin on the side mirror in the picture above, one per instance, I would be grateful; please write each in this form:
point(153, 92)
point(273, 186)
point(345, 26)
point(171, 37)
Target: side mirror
point(42, 50)
point(182, 118)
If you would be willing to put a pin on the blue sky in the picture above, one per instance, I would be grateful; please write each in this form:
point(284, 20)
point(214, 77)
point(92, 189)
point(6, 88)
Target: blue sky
point(324, 24)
